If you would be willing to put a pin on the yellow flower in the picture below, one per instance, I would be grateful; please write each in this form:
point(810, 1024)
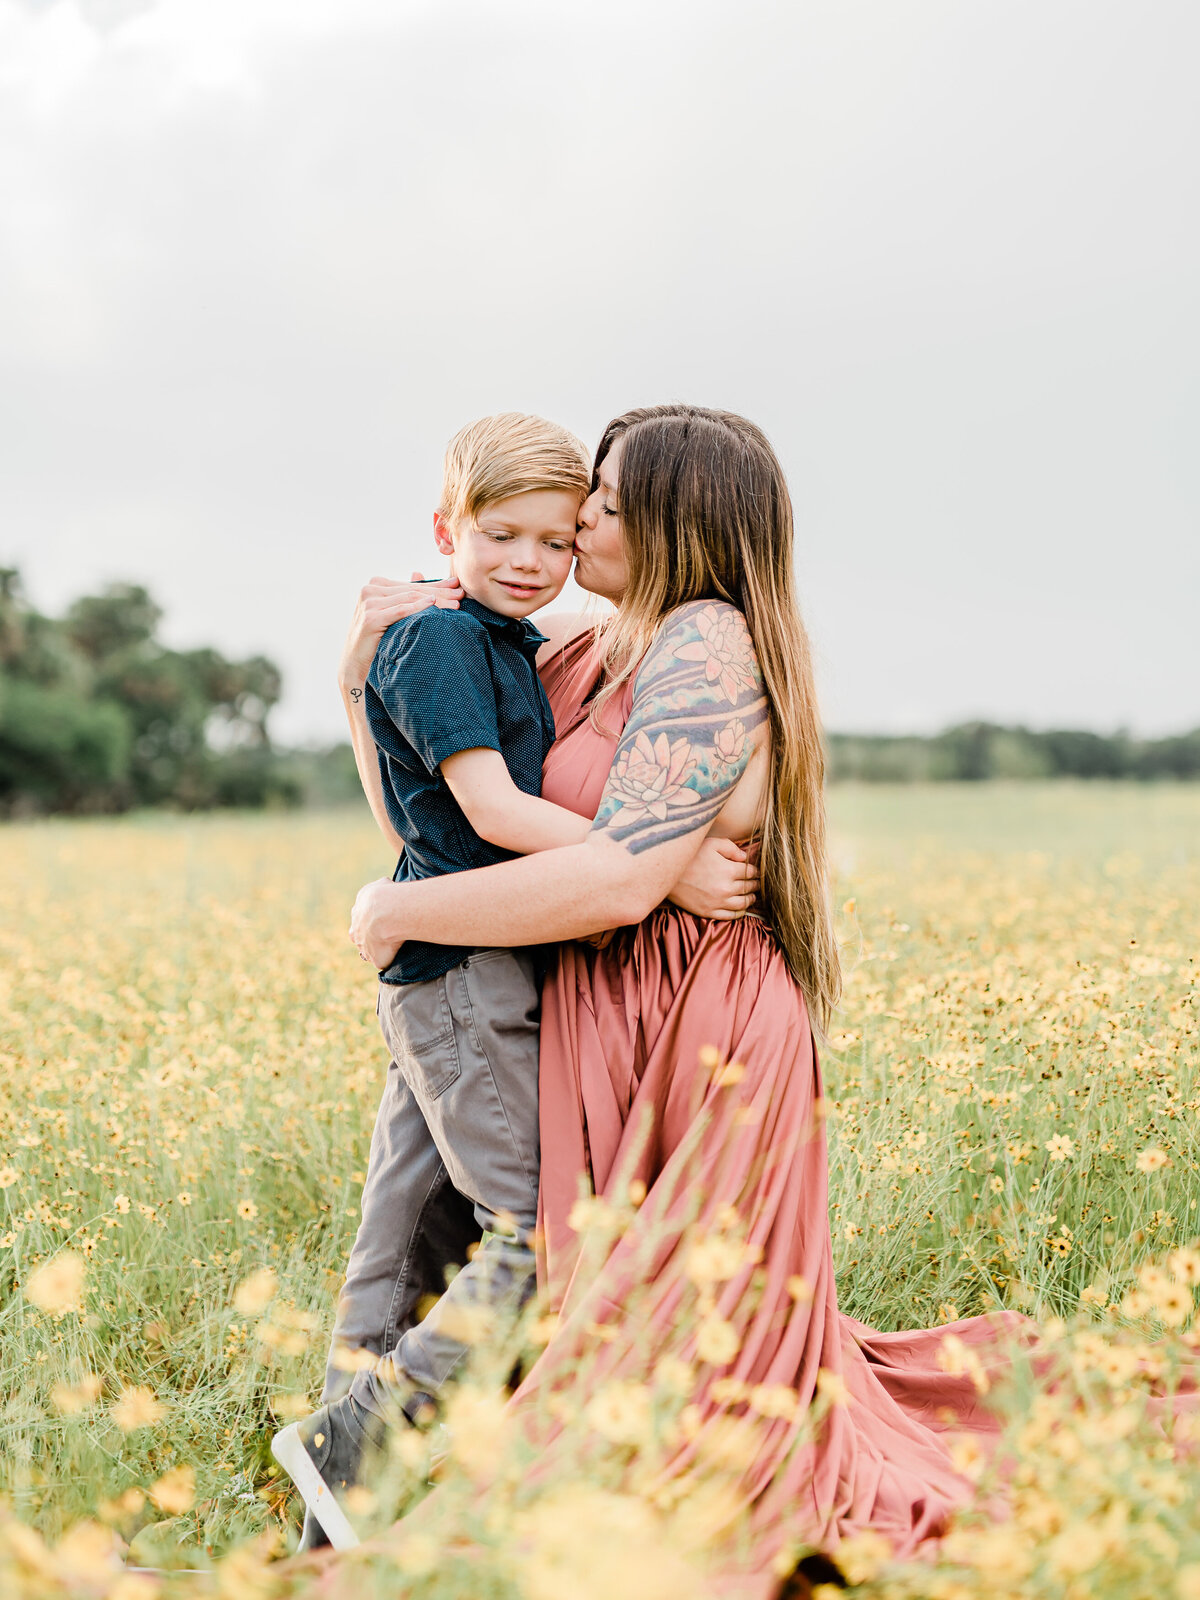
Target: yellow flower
point(1136, 1303)
point(57, 1286)
point(716, 1340)
point(715, 1259)
point(1174, 1304)
point(589, 1212)
point(620, 1412)
point(417, 1555)
point(8, 1176)
point(967, 1454)
point(184, 1198)
point(247, 1210)
point(727, 1391)
point(799, 1288)
point(87, 1554)
point(1060, 1147)
point(347, 1358)
point(1119, 1364)
point(862, 1556)
point(134, 1586)
point(255, 1293)
point(478, 1424)
point(72, 1399)
point(676, 1376)
point(1152, 1159)
point(175, 1491)
point(137, 1408)
point(774, 1400)
point(245, 1574)
point(831, 1386)
point(960, 1360)
point(121, 1203)
point(1185, 1265)
point(1187, 1581)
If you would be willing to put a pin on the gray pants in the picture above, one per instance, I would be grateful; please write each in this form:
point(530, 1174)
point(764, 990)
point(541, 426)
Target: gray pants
point(455, 1151)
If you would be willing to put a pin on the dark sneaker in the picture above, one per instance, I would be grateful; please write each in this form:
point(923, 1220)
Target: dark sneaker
point(324, 1455)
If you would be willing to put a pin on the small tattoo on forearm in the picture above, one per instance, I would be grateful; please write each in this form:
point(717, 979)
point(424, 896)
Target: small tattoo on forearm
point(356, 695)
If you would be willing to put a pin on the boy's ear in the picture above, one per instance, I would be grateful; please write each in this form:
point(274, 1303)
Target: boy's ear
point(441, 534)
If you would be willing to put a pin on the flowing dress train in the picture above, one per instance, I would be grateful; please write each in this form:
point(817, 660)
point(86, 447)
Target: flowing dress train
point(636, 1035)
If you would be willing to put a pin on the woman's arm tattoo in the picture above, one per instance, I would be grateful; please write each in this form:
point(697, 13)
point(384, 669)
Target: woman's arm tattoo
point(698, 698)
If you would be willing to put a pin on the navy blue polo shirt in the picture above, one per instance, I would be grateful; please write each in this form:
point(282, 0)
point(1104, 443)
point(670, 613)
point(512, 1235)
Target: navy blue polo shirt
point(444, 681)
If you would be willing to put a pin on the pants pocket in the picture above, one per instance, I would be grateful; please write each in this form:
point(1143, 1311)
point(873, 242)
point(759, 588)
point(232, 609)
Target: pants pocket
point(419, 1030)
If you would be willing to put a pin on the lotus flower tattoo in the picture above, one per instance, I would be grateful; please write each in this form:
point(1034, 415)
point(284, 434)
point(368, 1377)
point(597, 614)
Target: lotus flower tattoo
point(725, 651)
point(730, 743)
point(649, 779)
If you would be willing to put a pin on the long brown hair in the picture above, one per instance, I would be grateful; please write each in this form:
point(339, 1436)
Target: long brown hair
point(707, 516)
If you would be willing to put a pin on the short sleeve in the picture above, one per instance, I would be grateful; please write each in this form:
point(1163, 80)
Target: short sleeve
point(433, 676)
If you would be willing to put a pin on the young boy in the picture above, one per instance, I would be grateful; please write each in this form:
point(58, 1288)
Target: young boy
point(461, 725)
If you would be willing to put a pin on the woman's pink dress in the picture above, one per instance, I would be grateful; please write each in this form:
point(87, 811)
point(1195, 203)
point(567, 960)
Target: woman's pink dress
point(624, 1095)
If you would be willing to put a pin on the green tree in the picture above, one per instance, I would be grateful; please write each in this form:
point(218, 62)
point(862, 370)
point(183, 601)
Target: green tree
point(96, 713)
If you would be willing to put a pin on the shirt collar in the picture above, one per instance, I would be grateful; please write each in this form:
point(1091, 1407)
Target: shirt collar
point(519, 629)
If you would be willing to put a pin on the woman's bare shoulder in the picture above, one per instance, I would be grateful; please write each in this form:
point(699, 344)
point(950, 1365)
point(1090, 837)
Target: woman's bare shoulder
point(714, 635)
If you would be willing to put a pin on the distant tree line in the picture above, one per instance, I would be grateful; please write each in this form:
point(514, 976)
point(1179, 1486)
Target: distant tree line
point(97, 714)
point(975, 751)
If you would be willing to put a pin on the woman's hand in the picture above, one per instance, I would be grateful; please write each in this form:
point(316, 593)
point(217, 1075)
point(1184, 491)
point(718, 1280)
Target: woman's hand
point(373, 921)
point(380, 603)
point(721, 882)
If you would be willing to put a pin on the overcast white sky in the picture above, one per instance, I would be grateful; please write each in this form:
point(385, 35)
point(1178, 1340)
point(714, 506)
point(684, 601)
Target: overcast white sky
point(260, 258)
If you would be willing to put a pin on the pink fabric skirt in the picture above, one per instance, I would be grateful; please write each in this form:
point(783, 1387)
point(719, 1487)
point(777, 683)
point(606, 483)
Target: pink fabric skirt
point(635, 1041)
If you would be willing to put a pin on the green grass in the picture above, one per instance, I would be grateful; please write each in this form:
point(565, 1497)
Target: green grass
point(190, 1069)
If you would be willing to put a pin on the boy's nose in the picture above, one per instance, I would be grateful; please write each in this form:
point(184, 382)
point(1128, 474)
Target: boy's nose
point(529, 560)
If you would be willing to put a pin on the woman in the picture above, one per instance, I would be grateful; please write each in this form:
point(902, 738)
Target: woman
point(677, 1054)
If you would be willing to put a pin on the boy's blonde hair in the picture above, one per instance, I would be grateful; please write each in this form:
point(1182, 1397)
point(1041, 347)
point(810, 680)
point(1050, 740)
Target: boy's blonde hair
point(509, 454)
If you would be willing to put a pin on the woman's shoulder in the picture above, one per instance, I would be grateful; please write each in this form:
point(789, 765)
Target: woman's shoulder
point(715, 636)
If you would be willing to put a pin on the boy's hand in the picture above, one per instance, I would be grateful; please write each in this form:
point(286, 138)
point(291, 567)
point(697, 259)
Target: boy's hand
point(380, 603)
point(374, 909)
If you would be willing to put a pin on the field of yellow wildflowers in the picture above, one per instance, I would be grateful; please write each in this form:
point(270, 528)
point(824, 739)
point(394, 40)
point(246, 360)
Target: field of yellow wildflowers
point(190, 1067)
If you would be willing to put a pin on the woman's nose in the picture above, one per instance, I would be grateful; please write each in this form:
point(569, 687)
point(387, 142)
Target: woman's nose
point(589, 512)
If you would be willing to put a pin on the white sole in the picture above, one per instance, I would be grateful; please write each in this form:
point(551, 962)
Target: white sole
point(288, 1449)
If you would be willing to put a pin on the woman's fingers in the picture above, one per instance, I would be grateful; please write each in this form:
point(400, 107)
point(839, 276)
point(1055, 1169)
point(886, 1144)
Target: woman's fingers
point(730, 849)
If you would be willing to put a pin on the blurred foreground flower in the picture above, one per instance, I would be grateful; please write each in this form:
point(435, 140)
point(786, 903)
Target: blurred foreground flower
point(137, 1408)
point(87, 1554)
point(589, 1544)
point(831, 1386)
point(70, 1399)
point(57, 1286)
point(255, 1293)
point(621, 1413)
point(1152, 1159)
point(175, 1491)
point(716, 1341)
point(478, 1424)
